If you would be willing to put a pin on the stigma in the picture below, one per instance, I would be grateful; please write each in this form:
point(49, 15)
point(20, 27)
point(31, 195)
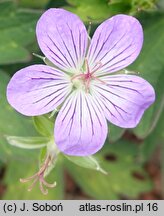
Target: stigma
point(83, 80)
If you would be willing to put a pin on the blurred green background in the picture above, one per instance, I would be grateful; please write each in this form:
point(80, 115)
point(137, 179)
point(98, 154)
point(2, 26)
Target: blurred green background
point(134, 158)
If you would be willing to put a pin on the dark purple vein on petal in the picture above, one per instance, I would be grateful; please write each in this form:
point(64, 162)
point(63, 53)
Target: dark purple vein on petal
point(40, 78)
point(104, 42)
point(49, 86)
point(114, 78)
point(112, 47)
point(60, 51)
point(72, 117)
point(81, 111)
point(69, 102)
point(73, 42)
point(105, 107)
point(56, 74)
point(118, 67)
point(115, 94)
point(84, 46)
point(114, 105)
point(80, 53)
point(117, 56)
point(123, 87)
point(60, 98)
point(91, 49)
point(48, 95)
point(90, 116)
point(56, 56)
point(66, 47)
point(93, 106)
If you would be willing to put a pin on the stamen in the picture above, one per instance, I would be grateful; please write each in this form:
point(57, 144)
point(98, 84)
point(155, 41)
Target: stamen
point(48, 184)
point(87, 66)
point(88, 75)
point(44, 191)
point(77, 76)
point(39, 176)
point(99, 64)
point(33, 184)
point(103, 82)
point(87, 85)
point(27, 179)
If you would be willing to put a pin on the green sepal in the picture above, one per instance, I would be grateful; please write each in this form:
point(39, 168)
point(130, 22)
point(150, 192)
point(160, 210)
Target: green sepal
point(27, 142)
point(44, 125)
point(89, 162)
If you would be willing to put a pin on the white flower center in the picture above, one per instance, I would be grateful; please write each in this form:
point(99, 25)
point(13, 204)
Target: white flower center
point(83, 80)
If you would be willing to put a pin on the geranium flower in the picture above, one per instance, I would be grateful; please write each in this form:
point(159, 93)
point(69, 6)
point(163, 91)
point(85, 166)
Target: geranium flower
point(83, 81)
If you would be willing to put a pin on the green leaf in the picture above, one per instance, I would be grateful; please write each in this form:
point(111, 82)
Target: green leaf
point(96, 10)
point(18, 191)
point(114, 133)
point(155, 139)
point(12, 124)
point(44, 125)
point(119, 160)
point(161, 4)
point(33, 4)
point(27, 142)
point(88, 162)
point(150, 64)
point(143, 5)
point(17, 29)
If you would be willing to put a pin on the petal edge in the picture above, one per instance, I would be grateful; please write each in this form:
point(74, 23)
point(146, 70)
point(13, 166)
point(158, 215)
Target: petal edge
point(80, 127)
point(124, 98)
point(37, 89)
point(116, 43)
point(63, 38)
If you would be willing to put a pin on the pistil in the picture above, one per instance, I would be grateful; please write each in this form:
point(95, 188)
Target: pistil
point(39, 176)
point(88, 75)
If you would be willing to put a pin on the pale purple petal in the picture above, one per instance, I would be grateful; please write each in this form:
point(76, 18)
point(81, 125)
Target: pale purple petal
point(63, 38)
point(80, 127)
point(115, 44)
point(124, 98)
point(37, 89)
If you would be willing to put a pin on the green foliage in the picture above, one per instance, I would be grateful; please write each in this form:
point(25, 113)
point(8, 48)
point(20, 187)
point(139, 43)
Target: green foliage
point(95, 10)
point(44, 125)
point(155, 139)
point(17, 31)
point(33, 4)
point(143, 5)
point(21, 162)
point(18, 191)
point(27, 142)
point(114, 133)
point(89, 162)
point(120, 161)
point(98, 10)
